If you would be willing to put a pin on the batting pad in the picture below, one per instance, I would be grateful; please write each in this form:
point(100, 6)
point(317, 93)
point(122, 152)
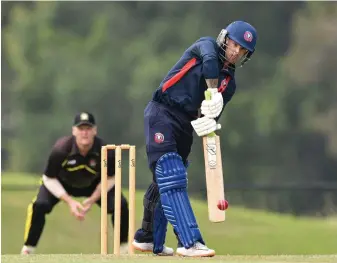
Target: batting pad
point(171, 177)
point(159, 229)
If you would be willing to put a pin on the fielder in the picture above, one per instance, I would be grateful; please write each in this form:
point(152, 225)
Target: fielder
point(74, 169)
point(169, 120)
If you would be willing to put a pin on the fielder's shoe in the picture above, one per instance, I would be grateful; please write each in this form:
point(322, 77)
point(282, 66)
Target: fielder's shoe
point(26, 250)
point(198, 250)
point(148, 247)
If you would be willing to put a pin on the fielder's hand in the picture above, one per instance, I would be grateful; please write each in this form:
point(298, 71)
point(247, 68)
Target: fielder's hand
point(213, 107)
point(76, 209)
point(87, 204)
point(204, 126)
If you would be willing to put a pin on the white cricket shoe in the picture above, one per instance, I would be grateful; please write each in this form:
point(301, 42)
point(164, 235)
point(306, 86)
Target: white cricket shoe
point(148, 247)
point(26, 250)
point(198, 250)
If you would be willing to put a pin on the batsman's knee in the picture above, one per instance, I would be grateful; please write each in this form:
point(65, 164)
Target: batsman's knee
point(171, 172)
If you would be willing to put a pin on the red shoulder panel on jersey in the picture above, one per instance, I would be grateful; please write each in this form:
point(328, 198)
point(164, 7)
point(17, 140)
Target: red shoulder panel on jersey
point(179, 75)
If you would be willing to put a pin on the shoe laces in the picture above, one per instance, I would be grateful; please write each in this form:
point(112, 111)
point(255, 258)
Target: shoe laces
point(198, 245)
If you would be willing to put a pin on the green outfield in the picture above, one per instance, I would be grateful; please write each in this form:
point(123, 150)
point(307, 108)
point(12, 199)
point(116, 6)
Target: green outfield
point(143, 259)
point(245, 232)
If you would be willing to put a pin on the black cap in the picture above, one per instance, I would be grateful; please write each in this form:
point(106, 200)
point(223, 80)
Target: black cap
point(84, 118)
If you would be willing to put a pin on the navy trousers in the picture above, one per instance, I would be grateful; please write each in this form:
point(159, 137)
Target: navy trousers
point(166, 130)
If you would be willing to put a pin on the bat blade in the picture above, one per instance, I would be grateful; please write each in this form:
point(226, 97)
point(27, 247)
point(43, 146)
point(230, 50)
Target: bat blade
point(214, 177)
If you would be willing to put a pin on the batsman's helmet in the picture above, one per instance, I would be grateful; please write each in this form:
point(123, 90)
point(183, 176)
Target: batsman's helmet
point(242, 33)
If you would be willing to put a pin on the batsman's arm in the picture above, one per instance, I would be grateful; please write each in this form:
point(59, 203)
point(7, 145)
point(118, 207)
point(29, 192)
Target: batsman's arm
point(212, 83)
point(206, 50)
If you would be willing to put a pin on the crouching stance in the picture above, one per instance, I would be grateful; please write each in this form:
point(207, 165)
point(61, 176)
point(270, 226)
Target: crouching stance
point(73, 169)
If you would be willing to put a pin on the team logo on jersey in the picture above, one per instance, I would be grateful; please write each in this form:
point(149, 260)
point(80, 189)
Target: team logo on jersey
point(248, 36)
point(224, 84)
point(158, 137)
point(71, 162)
point(92, 163)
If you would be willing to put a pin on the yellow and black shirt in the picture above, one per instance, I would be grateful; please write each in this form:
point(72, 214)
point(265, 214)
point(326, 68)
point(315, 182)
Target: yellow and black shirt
point(72, 169)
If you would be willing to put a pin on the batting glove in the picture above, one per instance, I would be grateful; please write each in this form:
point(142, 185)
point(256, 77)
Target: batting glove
point(213, 107)
point(204, 126)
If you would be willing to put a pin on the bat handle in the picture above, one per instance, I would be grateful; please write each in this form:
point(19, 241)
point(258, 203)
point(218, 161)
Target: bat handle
point(208, 96)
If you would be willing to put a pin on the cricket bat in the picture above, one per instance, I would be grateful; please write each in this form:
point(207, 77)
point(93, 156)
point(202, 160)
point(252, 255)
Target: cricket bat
point(214, 174)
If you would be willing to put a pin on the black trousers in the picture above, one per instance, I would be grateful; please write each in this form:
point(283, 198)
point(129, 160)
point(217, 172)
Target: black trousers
point(44, 202)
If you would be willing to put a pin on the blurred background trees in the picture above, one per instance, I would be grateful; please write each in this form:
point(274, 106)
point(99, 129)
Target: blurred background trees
point(59, 58)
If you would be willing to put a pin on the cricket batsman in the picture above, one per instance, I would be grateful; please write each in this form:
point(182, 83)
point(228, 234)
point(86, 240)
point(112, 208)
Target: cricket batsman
point(74, 170)
point(169, 120)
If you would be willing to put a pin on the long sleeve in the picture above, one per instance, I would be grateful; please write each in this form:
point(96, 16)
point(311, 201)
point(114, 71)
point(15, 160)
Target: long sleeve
point(206, 50)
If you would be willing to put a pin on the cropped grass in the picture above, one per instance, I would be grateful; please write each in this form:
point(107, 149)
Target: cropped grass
point(144, 259)
point(245, 232)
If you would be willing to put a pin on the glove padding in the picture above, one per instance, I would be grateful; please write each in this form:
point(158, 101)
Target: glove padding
point(213, 107)
point(204, 126)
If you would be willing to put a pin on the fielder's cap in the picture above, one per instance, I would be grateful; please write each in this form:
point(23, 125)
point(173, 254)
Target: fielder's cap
point(84, 118)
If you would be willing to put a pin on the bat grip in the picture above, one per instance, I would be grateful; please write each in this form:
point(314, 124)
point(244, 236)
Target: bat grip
point(208, 96)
